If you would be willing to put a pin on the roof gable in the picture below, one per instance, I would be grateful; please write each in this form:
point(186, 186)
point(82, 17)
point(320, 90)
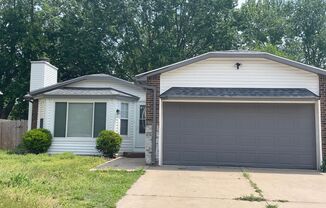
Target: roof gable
point(232, 54)
point(97, 77)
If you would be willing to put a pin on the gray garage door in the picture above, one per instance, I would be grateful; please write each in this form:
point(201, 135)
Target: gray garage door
point(253, 135)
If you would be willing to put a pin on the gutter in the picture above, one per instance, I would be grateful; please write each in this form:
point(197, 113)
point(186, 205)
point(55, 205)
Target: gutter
point(154, 122)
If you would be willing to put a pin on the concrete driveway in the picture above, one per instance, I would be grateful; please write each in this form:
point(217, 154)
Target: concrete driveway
point(178, 187)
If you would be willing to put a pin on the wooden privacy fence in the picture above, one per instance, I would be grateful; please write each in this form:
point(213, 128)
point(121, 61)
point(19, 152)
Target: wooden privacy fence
point(11, 132)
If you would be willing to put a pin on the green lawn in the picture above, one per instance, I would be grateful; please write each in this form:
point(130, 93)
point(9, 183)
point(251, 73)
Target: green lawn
point(60, 181)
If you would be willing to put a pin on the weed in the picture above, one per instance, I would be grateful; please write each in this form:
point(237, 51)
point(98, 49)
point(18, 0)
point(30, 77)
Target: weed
point(281, 200)
point(253, 184)
point(17, 180)
point(271, 206)
point(251, 198)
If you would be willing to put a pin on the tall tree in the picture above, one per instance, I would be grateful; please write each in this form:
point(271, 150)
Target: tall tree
point(309, 27)
point(163, 32)
point(88, 36)
point(20, 41)
point(262, 22)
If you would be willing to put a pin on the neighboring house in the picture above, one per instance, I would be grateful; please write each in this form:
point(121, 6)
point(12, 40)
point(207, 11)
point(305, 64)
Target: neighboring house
point(75, 111)
point(236, 108)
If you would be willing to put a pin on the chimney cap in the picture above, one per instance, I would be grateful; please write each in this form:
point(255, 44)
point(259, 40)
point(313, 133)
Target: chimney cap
point(44, 62)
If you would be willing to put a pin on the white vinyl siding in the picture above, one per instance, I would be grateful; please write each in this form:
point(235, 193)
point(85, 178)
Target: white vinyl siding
point(253, 73)
point(42, 75)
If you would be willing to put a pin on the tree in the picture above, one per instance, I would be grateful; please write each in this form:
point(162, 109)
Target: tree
point(16, 28)
point(127, 37)
point(262, 22)
point(309, 27)
point(162, 32)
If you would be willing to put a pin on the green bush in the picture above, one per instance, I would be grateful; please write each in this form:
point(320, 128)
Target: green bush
point(108, 143)
point(37, 140)
point(323, 167)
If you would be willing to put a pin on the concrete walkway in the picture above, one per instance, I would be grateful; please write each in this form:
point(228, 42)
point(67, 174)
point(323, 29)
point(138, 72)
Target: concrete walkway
point(123, 163)
point(179, 187)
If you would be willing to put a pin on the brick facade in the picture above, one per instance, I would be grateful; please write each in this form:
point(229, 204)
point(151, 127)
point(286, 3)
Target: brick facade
point(152, 81)
point(322, 92)
point(34, 114)
point(155, 82)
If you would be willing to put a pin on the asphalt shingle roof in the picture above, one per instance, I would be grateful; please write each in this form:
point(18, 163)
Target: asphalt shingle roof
point(87, 92)
point(199, 92)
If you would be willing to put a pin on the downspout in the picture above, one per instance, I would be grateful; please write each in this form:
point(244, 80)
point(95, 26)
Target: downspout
point(153, 160)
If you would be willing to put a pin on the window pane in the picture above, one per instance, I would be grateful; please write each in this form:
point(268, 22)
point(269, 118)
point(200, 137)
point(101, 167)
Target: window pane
point(80, 117)
point(124, 127)
point(41, 123)
point(99, 118)
point(142, 119)
point(124, 110)
point(142, 112)
point(141, 126)
point(60, 120)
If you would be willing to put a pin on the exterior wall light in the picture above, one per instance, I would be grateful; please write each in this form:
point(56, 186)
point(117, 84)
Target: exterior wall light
point(237, 65)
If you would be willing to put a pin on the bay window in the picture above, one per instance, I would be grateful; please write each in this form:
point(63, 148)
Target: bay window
point(79, 119)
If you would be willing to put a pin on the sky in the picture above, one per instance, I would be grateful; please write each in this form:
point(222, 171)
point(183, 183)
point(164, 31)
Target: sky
point(241, 2)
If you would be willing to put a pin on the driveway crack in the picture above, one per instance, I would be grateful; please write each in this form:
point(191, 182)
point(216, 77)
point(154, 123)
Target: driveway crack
point(259, 191)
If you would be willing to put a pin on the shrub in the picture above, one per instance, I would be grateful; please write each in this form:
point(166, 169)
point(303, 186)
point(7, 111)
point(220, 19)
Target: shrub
point(37, 140)
point(108, 142)
point(323, 167)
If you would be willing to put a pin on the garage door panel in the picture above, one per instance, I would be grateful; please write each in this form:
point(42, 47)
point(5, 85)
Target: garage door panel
point(258, 135)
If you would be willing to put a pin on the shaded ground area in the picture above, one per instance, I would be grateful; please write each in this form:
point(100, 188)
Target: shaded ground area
point(123, 163)
point(180, 187)
point(62, 180)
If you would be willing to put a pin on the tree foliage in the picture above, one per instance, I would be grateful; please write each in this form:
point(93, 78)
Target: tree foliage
point(128, 37)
